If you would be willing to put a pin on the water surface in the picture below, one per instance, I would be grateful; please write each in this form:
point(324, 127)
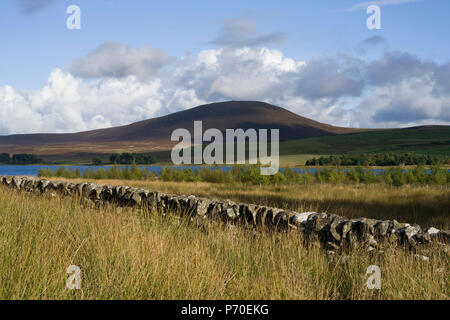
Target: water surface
point(32, 170)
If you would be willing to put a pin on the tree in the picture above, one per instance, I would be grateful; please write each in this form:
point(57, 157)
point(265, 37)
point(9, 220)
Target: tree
point(129, 158)
point(114, 158)
point(4, 158)
point(25, 158)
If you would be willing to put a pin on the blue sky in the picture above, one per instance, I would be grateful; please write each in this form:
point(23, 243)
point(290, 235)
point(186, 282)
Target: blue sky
point(158, 53)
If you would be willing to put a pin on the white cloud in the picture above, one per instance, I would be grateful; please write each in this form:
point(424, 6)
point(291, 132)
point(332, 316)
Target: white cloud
point(344, 91)
point(407, 103)
point(15, 113)
point(245, 73)
point(67, 104)
point(327, 78)
point(116, 60)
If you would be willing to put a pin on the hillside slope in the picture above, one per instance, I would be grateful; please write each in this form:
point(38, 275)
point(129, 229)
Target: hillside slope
point(433, 140)
point(154, 134)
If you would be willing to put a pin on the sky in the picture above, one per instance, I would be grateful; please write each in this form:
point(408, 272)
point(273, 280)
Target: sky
point(137, 59)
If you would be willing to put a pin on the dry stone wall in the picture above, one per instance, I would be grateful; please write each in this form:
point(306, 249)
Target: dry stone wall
point(332, 231)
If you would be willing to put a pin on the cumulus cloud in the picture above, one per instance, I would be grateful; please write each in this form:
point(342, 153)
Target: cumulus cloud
point(397, 89)
point(241, 32)
point(409, 102)
point(116, 60)
point(33, 6)
point(405, 90)
point(325, 78)
point(244, 73)
point(67, 104)
point(396, 66)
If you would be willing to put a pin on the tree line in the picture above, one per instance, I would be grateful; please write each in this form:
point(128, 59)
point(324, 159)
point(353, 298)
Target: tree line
point(378, 159)
point(125, 158)
point(23, 158)
point(130, 158)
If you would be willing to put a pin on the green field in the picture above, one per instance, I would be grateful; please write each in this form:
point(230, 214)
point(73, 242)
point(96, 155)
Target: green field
point(426, 140)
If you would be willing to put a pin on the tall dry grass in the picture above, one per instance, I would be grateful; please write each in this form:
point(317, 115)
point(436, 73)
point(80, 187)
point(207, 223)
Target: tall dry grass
point(425, 205)
point(129, 254)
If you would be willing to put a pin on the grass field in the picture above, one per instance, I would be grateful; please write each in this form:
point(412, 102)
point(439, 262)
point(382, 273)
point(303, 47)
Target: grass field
point(129, 254)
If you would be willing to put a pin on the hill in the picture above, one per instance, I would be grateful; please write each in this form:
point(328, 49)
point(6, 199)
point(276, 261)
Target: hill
point(154, 134)
point(302, 138)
